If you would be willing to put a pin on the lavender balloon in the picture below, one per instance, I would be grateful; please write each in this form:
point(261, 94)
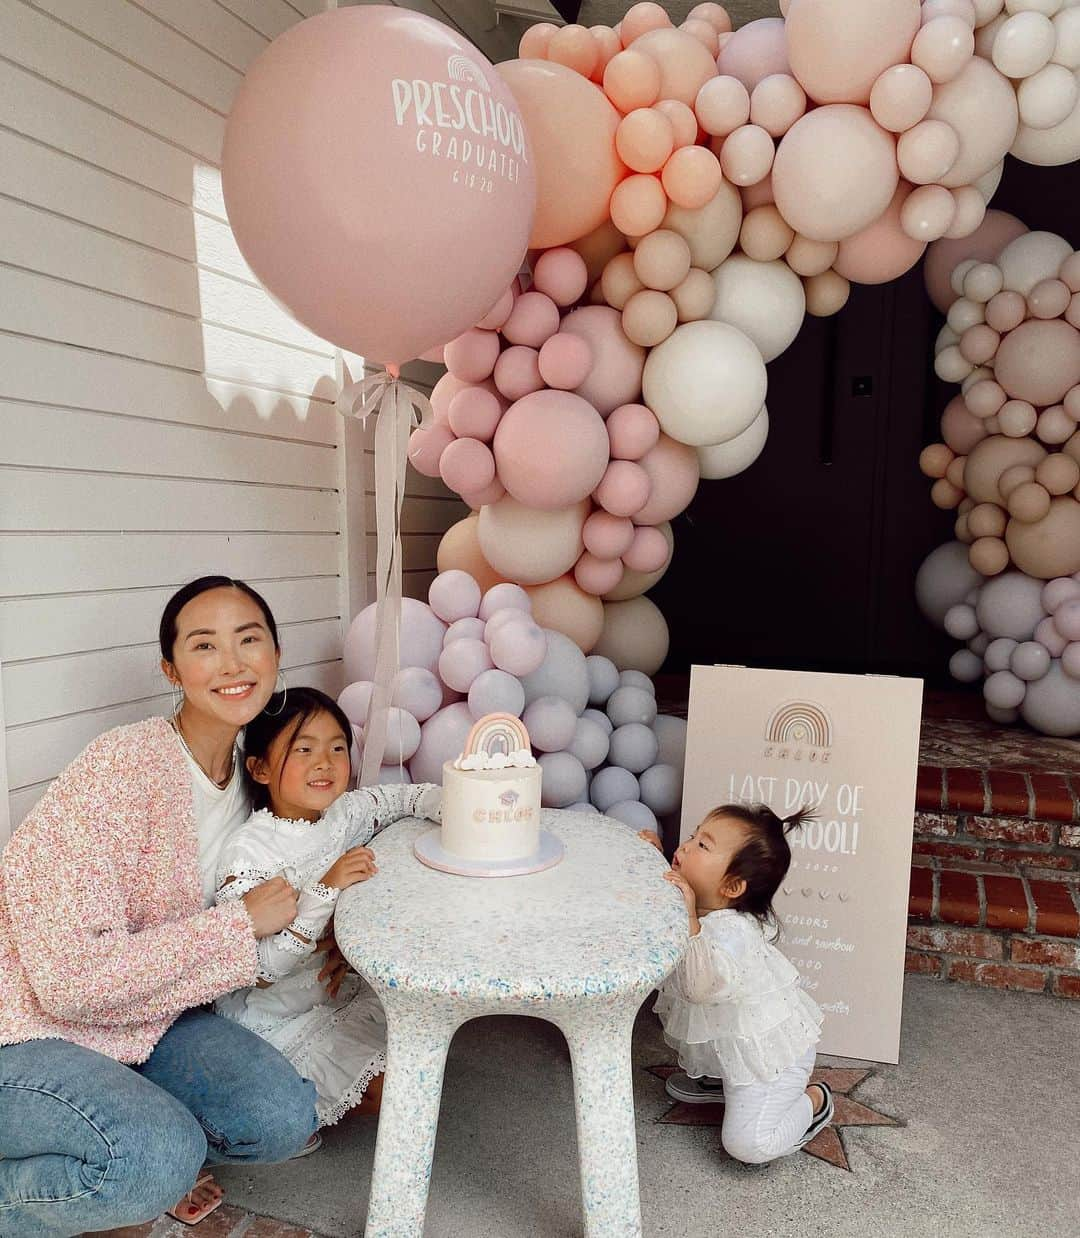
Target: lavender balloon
point(634, 814)
point(634, 747)
point(999, 653)
point(671, 734)
point(661, 788)
point(637, 679)
point(496, 692)
point(461, 662)
point(402, 736)
point(422, 633)
point(417, 691)
point(464, 629)
point(519, 648)
point(508, 614)
point(355, 700)
point(498, 597)
point(550, 722)
point(393, 775)
point(590, 742)
point(612, 785)
point(454, 595)
point(601, 719)
point(1030, 661)
point(631, 704)
point(564, 779)
point(1004, 690)
point(562, 673)
point(603, 678)
point(442, 738)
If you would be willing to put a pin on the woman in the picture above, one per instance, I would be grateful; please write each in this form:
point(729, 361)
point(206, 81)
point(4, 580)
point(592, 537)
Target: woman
point(116, 1083)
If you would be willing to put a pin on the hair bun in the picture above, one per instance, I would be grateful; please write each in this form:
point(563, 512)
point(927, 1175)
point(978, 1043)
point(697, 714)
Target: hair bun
point(800, 817)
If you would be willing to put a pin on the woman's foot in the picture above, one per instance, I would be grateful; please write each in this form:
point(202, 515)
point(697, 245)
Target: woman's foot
point(199, 1202)
point(372, 1098)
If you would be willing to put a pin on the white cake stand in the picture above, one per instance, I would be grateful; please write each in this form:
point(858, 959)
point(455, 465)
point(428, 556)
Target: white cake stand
point(429, 850)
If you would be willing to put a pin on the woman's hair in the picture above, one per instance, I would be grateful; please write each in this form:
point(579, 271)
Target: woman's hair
point(764, 858)
point(167, 632)
point(285, 711)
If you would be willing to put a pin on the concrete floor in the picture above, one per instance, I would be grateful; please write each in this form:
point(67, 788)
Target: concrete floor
point(987, 1088)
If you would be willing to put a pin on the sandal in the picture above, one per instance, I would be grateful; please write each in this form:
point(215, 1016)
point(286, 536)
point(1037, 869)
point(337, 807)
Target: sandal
point(189, 1213)
point(312, 1145)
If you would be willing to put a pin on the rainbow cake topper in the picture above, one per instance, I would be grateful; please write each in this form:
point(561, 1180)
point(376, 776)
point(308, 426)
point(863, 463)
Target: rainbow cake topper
point(497, 741)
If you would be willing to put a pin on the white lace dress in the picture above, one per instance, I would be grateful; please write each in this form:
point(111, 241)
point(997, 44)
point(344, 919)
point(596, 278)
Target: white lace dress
point(734, 1008)
point(339, 1043)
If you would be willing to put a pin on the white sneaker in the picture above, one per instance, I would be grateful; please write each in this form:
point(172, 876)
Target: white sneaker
point(703, 1091)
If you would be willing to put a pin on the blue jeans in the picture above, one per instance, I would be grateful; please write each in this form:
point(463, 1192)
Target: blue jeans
point(87, 1143)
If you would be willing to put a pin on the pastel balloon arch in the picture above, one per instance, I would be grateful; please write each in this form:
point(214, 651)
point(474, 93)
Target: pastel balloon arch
point(606, 241)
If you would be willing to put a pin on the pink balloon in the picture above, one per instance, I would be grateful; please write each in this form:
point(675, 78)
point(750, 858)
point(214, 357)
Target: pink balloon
point(624, 488)
point(474, 413)
point(984, 244)
point(882, 251)
point(607, 536)
point(500, 311)
point(454, 595)
point(517, 372)
point(648, 551)
point(491, 493)
point(959, 428)
point(355, 700)
point(839, 47)
point(467, 466)
point(597, 576)
point(615, 377)
point(551, 449)
point(561, 274)
point(442, 393)
point(472, 356)
point(673, 470)
point(534, 319)
point(756, 50)
point(519, 648)
point(1039, 361)
point(1005, 310)
point(347, 81)
point(505, 596)
point(426, 446)
point(632, 431)
point(564, 361)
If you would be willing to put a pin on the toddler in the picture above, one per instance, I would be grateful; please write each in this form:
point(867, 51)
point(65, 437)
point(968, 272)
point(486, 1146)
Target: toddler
point(734, 1008)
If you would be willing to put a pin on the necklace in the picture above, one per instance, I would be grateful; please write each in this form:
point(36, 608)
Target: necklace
point(175, 720)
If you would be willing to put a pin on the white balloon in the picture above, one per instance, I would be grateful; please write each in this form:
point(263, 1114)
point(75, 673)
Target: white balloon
point(706, 383)
point(988, 183)
point(1048, 97)
point(1047, 7)
point(1024, 44)
point(737, 454)
point(1067, 34)
point(980, 104)
point(765, 300)
point(1031, 258)
point(1049, 148)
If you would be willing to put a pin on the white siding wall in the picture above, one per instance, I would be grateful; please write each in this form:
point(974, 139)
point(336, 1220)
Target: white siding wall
point(160, 417)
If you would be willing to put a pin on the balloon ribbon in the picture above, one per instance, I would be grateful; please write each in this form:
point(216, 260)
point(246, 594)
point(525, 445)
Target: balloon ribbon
point(397, 408)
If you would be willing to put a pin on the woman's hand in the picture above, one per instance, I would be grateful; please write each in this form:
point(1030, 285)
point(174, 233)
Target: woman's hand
point(355, 865)
point(689, 898)
point(333, 971)
point(271, 906)
point(652, 838)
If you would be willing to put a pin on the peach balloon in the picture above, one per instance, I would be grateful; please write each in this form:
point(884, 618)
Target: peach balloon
point(945, 495)
point(826, 294)
point(685, 64)
point(722, 105)
point(932, 9)
point(777, 103)
point(960, 430)
point(673, 471)
point(615, 377)
point(638, 205)
point(608, 47)
point(927, 151)
point(1072, 314)
point(662, 260)
point(901, 97)
point(624, 488)
point(1039, 361)
point(500, 311)
point(644, 139)
point(1005, 310)
point(467, 466)
point(682, 119)
point(979, 343)
point(987, 520)
point(632, 80)
point(1054, 426)
point(970, 211)
point(705, 33)
point(980, 105)
point(1017, 418)
point(632, 431)
point(990, 459)
point(835, 172)
point(1048, 299)
point(942, 47)
point(807, 257)
point(649, 317)
point(1029, 502)
point(571, 127)
point(574, 47)
point(459, 549)
point(597, 576)
point(640, 19)
point(562, 606)
point(1015, 475)
point(989, 556)
point(755, 51)
point(528, 546)
point(607, 536)
point(765, 234)
point(1058, 473)
point(695, 296)
point(992, 235)
point(935, 460)
point(620, 281)
point(715, 14)
point(880, 252)
point(747, 155)
point(691, 177)
point(760, 194)
point(1049, 547)
point(535, 41)
point(838, 48)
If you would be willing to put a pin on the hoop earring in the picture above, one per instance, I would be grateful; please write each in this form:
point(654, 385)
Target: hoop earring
point(284, 690)
point(177, 698)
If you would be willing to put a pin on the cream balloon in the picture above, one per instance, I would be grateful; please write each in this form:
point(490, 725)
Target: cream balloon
point(837, 48)
point(826, 294)
point(1031, 258)
point(723, 460)
point(942, 47)
point(1051, 147)
point(529, 546)
point(711, 230)
point(980, 104)
point(764, 300)
point(927, 151)
point(901, 97)
point(635, 635)
point(1023, 44)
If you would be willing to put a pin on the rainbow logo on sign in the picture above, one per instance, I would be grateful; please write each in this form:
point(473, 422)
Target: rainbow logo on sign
point(497, 733)
point(799, 729)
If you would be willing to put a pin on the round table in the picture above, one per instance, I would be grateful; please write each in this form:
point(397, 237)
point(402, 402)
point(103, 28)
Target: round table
point(581, 945)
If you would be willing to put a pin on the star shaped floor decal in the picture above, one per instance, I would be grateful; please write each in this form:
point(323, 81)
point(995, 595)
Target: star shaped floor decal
point(829, 1143)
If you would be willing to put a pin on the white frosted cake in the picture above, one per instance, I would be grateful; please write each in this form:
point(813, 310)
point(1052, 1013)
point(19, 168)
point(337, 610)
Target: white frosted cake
point(491, 794)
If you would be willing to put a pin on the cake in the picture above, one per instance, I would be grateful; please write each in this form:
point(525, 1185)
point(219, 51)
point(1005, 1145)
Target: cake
point(491, 794)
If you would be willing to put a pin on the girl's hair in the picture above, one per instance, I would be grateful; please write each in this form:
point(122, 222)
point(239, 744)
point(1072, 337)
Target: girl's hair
point(167, 632)
point(285, 711)
point(764, 858)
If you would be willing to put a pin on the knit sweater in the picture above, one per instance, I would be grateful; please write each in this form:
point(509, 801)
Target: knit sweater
point(103, 936)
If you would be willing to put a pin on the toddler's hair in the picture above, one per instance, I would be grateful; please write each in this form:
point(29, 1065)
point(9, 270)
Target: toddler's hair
point(286, 711)
point(765, 856)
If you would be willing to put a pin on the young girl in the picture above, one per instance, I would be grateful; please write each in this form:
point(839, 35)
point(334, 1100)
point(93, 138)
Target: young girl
point(734, 1010)
point(308, 829)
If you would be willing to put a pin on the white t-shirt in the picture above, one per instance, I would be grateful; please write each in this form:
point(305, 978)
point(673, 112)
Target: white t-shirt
point(219, 813)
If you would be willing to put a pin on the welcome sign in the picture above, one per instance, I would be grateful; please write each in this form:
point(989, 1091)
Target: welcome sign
point(847, 746)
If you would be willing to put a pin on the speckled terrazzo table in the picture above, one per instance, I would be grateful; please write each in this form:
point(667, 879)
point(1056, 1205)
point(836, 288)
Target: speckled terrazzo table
point(580, 945)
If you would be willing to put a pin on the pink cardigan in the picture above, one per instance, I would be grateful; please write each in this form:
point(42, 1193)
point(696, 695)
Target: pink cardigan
point(103, 936)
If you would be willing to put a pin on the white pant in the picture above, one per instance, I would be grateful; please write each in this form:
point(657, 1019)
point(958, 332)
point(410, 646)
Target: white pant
point(763, 1121)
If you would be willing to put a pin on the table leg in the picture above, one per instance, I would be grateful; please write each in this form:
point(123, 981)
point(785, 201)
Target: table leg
point(599, 1043)
point(417, 1043)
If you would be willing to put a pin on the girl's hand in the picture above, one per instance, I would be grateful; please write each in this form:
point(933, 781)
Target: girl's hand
point(689, 898)
point(333, 971)
point(652, 838)
point(271, 906)
point(355, 865)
